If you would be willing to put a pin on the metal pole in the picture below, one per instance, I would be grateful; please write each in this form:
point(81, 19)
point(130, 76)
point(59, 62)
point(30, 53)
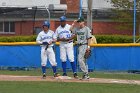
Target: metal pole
point(48, 13)
point(134, 27)
point(80, 10)
point(89, 14)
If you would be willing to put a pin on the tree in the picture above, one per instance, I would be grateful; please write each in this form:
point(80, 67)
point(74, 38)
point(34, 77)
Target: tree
point(124, 12)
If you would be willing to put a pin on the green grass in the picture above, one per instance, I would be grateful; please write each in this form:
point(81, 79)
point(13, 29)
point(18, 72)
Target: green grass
point(114, 75)
point(63, 87)
point(67, 87)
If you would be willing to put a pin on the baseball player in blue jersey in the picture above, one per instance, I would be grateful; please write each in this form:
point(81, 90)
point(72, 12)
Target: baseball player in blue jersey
point(84, 36)
point(65, 37)
point(46, 38)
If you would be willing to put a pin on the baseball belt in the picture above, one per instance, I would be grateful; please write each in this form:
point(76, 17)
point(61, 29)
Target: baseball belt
point(80, 44)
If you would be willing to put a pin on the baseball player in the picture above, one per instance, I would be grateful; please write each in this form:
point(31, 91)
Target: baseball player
point(65, 37)
point(83, 34)
point(46, 38)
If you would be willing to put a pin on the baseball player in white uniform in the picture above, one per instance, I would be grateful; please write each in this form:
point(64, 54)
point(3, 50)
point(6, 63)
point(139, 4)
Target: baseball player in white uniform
point(46, 38)
point(83, 34)
point(65, 37)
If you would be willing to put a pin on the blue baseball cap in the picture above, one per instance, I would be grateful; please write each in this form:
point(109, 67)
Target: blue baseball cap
point(63, 18)
point(46, 23)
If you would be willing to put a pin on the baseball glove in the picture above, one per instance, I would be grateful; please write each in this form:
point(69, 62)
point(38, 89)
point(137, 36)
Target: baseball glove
point(87, 54)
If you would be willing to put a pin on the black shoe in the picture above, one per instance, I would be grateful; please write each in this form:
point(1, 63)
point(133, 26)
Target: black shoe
point(44, 76)
point(56, 75)
point(85, 76)
point(64, 74)
point(75, 75)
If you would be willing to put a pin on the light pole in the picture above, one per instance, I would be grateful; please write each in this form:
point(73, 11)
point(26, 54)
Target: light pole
point(134, 26)
point(89, 14)
point(48, 12)
point(80, 10)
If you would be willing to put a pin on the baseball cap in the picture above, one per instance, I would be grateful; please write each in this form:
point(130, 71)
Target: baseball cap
point(63, 18)
point(81, 19)
point(46, 23)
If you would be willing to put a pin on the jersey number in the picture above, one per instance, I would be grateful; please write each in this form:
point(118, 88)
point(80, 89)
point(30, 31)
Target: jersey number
point(68, 36)
point(81, 37)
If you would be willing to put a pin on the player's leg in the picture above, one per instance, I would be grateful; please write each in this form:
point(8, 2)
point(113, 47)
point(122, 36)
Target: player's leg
point(70, 52)
point(63, 58)
point(43, 61)
point(82, 62)
point(52, 59)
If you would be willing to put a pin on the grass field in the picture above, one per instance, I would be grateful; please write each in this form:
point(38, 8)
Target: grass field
point(63, 87)
point(67, 87)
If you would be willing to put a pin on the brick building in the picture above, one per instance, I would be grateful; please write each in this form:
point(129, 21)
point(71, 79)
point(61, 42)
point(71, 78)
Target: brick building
point(27, 19)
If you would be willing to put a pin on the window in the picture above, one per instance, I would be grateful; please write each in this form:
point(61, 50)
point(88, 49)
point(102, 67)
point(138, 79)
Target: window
point(12, 27)
point(7, 27)
point(1, 27)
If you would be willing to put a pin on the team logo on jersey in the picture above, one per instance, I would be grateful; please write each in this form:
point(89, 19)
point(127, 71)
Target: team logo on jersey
point(46, 37)
point(65, 31)
point(80, 33)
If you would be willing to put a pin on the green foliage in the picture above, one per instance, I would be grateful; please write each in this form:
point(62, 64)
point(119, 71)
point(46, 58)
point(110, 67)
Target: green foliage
point(18, 38)
point(100, 39)
point(124, 12)
point(114, 39)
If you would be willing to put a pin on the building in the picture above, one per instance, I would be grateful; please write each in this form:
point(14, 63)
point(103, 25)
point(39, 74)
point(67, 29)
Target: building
point(25, 17)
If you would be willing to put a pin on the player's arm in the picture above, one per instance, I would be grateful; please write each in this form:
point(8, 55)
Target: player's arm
point(89, 42)
point(89, 36)
point(61, 39)
point(54, 38)
point(72, 37)
point(57, 36)
point(73, 25)
point(72, 29)
point(38, 39)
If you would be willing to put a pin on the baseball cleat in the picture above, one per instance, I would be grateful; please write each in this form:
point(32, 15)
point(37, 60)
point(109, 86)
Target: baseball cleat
point(75, 75)
point(44, 76)
point(56, 75)
point(64, 74)
point(85, 77)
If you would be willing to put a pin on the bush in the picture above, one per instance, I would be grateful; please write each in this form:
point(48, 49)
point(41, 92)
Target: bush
point(18, 39)
point(100, 39)
point(114, 39)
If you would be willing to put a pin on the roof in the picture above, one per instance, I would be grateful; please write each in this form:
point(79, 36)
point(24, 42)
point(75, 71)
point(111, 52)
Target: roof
point(97, 4)
point(27, 3)
point(20, 9)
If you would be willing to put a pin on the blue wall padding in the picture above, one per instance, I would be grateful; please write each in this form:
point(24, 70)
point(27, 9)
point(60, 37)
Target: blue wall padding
point(103, 58)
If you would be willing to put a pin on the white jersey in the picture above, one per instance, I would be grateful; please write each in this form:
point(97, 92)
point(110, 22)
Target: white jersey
point(66, 48)
point(46, 53)
point(63, 32)
point(45, 37)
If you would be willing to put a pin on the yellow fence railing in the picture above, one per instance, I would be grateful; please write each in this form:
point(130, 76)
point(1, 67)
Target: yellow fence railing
point(57, 43)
